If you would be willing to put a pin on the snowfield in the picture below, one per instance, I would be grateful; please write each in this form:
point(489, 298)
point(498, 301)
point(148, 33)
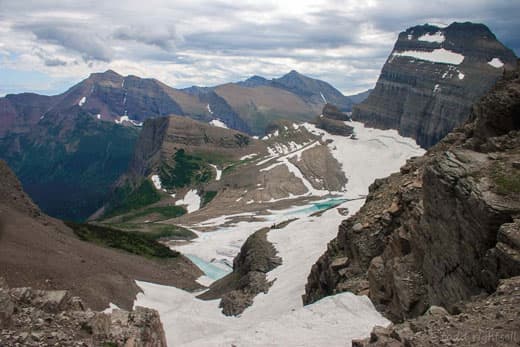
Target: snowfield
point(191, 201)
point(278, 318)
point(440, 55)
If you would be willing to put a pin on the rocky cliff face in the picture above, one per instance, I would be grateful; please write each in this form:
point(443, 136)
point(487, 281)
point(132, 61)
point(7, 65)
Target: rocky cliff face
point(482, 321)
point(249, 277)
point(443, 229)
point(31, 317)
point(333, 121)
point(431, 79)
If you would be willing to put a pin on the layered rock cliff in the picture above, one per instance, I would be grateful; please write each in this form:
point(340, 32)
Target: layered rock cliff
point(431, 79)
point(443, 229)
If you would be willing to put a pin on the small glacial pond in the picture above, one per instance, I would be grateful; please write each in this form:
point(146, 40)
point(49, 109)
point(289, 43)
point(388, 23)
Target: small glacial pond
point(211, 270)
point(319, 206)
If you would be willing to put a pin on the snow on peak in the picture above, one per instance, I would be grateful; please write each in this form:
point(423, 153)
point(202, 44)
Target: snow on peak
point(437, 37)
point(496, 62)
point(218, 123)
point(191, 201)
point(441, 55)
point(82, 101)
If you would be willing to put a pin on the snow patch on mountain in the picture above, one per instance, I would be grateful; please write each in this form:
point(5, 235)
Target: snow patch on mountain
point(156, 180)
point(441, 55)
point(191, 201)
point(218, 172)
point(496, 63)
point(249, 156)
point(125, 118)
point(82, 101)
point(218, 123)
point(323, 97)
point(437, 37)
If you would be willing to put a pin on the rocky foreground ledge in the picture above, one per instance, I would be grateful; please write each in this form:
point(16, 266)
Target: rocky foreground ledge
point(31, 317)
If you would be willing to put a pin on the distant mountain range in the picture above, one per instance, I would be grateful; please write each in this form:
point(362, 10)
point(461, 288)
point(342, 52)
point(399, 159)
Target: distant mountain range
point(432, 78)
point(69, 149)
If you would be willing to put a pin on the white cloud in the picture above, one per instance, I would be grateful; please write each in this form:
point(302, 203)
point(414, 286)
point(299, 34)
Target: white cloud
point(344, 42)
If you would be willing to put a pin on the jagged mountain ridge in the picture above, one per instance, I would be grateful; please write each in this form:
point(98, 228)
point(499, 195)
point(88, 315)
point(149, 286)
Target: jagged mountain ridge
point(443, 229)
point(431, 79)
point(69, 149)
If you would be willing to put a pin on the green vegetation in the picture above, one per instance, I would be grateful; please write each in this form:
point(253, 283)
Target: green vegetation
point(132, 242)
point(212, 157)
point(506, 182)
point(155, 231)
point(187, 169)
point(70, 175)
point(165, 212)
point(207, 197)
point(125, 200)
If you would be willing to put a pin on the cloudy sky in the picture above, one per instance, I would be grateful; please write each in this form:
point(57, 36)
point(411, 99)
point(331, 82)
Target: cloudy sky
point(46, 46)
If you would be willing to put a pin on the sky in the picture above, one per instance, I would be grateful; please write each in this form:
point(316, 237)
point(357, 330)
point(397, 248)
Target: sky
point(47, 46)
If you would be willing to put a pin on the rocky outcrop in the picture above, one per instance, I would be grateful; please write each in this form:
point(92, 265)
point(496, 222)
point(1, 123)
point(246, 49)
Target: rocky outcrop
point(425, 90)
point(482, 321)
point(443, 229)
point(238, 289)
point(31, 317)
point(333, 121)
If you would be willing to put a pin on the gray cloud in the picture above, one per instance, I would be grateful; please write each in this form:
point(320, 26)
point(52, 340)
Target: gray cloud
point(91, 46)
point(163, 37)
point(206, 42)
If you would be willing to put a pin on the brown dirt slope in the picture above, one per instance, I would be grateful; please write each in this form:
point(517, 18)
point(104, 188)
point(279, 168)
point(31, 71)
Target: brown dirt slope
point(41, 252)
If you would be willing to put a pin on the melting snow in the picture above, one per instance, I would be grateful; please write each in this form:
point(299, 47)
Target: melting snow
point(82, 101)
point(219, 172)
point(249, 156)
point(278, 317)
point(435, 37)
point(436, 88)
point(156, 180)
point(441, 55)
point(191, 201)
point(496, 62)
point(218, 123)
point(461, 75)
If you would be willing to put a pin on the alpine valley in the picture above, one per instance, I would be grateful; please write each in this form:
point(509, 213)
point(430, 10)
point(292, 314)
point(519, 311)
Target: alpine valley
point(269, 212)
